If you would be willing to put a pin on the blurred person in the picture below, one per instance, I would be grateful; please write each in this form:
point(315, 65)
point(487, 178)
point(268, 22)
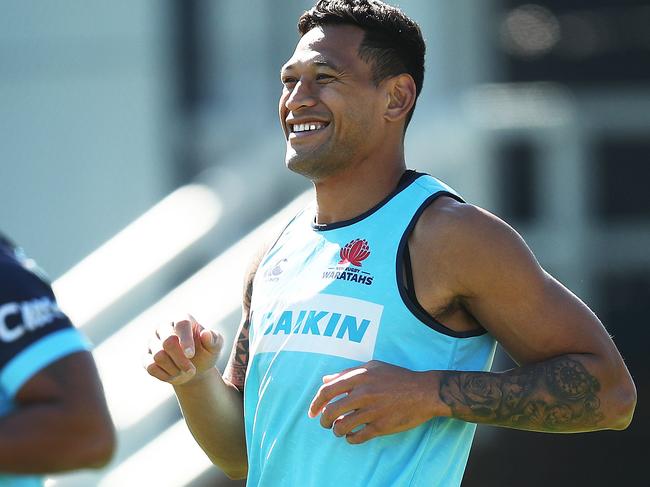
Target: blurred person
point(378, 307)
point(53, 415)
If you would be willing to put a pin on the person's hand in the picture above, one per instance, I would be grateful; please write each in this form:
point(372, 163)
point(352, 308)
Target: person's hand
point(382, 398)
point(182, 351)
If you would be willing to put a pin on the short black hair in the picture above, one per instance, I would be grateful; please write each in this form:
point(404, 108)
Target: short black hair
point(392, 43)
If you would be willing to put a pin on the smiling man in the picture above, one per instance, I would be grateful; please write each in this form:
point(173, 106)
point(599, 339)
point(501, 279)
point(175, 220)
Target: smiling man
point(369, 324)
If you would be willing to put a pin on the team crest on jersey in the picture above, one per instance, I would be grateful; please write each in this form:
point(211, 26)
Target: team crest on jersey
point(355, 252)
point(348, 268)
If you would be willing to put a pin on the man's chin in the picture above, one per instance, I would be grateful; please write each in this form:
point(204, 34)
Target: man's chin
point(314, 165)
point(309, 168)
point(301, 164)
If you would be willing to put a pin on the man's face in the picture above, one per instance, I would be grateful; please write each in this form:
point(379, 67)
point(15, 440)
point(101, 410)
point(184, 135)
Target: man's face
point(330, 109)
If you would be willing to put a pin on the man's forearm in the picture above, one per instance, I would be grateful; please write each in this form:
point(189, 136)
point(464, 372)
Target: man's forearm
point(213, 410)
point(569, 393)
point(49, 437)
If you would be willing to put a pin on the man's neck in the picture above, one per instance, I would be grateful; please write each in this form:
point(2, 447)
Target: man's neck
point(354, 191)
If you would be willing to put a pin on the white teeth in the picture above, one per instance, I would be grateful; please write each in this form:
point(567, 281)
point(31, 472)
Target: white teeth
point(306, 127)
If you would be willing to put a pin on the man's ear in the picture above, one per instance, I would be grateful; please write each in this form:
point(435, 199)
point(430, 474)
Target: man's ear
point(401, 94)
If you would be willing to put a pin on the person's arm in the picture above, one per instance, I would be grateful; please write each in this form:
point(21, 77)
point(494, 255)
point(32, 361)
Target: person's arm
point(60, 421)
point(571, 376)
point(214, 413)
point(212, 404)
point(57, 418)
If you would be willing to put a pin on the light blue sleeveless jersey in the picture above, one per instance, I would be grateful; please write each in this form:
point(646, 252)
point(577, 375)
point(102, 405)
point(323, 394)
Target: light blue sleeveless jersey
point(329, 298)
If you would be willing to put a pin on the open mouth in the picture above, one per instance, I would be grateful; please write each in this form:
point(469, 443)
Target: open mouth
point(306, 128)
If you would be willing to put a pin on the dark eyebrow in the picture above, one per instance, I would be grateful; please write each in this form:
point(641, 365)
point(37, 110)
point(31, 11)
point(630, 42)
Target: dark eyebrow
point(327, 64)
point(319, 61)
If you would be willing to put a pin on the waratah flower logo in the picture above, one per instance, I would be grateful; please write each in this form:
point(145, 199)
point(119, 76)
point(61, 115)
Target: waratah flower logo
point(354, 252)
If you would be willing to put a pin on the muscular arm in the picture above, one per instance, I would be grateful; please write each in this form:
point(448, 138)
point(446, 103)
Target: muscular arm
point(212, 404)
point(570, 377)
point(557, 395)
point(60, 422)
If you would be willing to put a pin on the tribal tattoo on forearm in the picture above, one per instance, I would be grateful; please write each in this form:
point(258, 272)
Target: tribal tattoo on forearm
point(555, 395)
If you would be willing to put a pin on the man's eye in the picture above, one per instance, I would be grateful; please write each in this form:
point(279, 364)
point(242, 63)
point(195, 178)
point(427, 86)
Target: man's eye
point(324, 77)
point(288, 81)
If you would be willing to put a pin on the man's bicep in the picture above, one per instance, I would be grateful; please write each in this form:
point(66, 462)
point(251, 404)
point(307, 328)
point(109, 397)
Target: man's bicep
point(530, 313)
point(72, 378)
point(235, 372)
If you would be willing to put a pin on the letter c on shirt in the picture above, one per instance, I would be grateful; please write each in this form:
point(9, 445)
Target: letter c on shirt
point(7, 334)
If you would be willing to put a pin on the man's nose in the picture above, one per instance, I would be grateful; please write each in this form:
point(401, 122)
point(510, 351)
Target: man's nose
point(302, 95)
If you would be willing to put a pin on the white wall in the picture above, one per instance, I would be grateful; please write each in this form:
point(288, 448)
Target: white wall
point(83, 109)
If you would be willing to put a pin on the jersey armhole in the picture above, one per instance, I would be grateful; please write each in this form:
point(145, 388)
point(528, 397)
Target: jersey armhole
point(404, 273)
point(408, 276)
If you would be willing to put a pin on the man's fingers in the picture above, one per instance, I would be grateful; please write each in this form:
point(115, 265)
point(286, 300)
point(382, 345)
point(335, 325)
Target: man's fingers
point(211, 341)
point(168, 351)
point(331, 377)
point(180, 349)
point(345, 425)
point(156, 371)
point(172, 347)
point(184, 330)
point(336, 387)
point(164, 361)
point(334, 410)
point(368, 432)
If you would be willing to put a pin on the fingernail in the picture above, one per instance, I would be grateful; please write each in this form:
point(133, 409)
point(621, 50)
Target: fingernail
point(189, 352)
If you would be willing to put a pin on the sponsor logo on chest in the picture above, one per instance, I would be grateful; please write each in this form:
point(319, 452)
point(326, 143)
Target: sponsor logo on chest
point(326, 324)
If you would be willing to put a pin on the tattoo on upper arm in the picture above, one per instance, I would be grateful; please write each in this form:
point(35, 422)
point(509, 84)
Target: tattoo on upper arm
point(239, 359)
point(556, 395)
point(238, 363)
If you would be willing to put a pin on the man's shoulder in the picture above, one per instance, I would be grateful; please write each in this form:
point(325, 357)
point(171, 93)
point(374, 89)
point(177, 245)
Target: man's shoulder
point(18, 282)
point(463, 234)
point(460, 221)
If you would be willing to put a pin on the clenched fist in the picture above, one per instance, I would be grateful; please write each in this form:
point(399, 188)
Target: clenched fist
point(182, 351)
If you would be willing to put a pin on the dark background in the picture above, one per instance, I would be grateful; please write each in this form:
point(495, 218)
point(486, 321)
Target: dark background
point(603, 46)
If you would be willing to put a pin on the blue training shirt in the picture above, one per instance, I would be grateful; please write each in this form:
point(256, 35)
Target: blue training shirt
point(331, 297)
point(33, 334)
